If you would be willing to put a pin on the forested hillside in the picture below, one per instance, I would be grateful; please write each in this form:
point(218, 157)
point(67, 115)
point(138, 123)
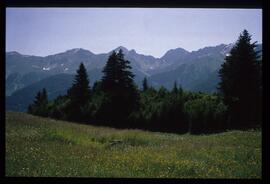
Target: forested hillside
point(116, 101)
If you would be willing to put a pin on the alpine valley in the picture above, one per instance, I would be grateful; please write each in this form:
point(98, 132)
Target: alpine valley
point(194, 71)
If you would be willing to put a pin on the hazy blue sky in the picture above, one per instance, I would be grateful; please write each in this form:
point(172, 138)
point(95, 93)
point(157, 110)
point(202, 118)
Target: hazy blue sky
point(153, 31)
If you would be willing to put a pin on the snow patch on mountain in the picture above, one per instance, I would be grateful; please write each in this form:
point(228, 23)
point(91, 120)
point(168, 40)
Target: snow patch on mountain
point(46, 68)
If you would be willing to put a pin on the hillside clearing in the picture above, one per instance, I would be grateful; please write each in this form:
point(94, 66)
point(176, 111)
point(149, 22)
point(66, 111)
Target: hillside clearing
point(44, 147)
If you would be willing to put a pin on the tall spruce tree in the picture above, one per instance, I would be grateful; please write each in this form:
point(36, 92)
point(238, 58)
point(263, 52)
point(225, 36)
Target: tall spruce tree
point(121, 91)
point(240, 83)
point(44, 96)
point(145, 84)
point(40, 105)
point(175, 88)
point(79, 95)
point(111, 73)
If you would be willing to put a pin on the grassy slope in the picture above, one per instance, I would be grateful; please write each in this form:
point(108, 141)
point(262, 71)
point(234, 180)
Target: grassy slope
point(44, 147)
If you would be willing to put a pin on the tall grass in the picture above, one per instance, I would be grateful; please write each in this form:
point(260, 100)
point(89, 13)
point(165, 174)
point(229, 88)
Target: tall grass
point(44, 147)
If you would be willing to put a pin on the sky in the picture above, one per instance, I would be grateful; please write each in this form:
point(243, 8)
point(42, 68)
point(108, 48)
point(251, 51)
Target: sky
point(150, 31)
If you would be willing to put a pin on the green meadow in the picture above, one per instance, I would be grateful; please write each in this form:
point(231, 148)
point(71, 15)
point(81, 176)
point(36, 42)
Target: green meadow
point(38, 146)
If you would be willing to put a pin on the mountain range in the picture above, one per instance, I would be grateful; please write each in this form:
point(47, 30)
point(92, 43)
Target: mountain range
point(25, 74)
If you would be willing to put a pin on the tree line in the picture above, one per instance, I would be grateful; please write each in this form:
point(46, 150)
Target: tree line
point(117, 101)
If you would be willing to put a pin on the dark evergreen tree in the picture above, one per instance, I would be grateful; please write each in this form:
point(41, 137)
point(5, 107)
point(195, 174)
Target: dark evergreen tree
point(111, 72)
point(145, 84)
point(40, 105)
point(175, 88)
point(176, 120)
point(120, 89)
point(240, 83)
point(44, 96)
point(96, 89)
point(180, 90)
point(206, 114)
point(79, 95)
point(58, 107)
point(38, 99)
point(162, 92)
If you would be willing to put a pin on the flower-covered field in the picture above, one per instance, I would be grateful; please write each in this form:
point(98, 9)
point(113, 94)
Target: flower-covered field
point(44, 147)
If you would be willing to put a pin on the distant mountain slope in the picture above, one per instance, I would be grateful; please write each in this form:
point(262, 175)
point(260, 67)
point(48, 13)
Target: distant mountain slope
point(195, 71)
point(19, 66)
point(16, 81)
point(55, 85)
point(199, 72)
point(22, 64)
point(197, 68)
point(209, 84)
